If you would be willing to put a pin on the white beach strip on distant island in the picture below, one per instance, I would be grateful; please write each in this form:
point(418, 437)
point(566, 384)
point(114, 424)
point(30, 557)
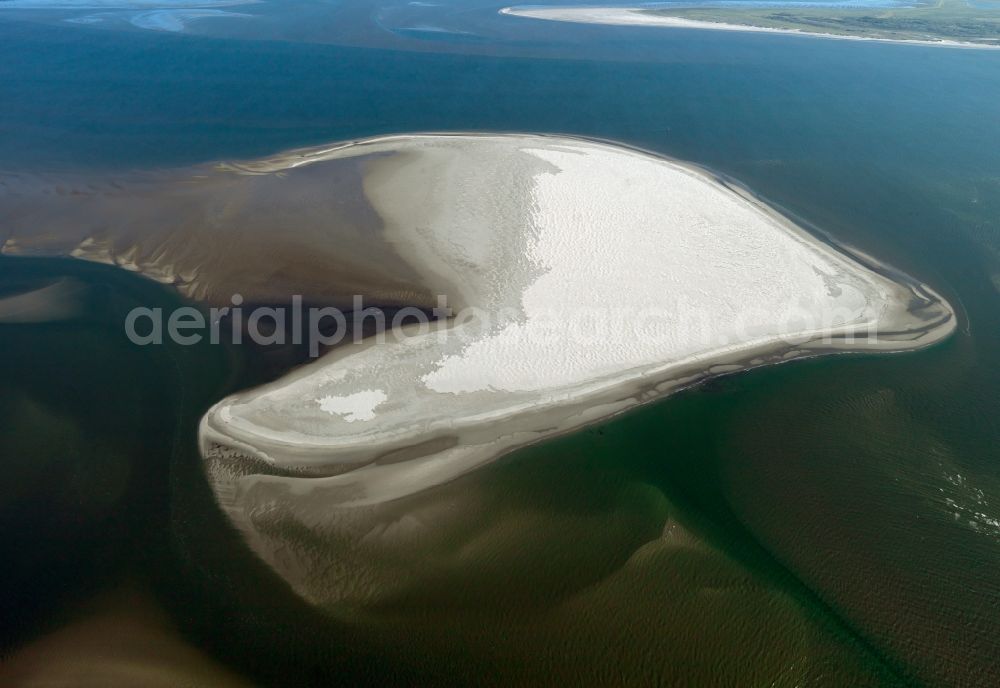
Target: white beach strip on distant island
point(637, 16)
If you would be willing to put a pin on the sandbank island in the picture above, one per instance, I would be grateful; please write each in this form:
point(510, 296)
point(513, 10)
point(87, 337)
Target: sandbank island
point(584, 278)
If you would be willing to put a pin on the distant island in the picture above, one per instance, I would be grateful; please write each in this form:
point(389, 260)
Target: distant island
point(945, 22)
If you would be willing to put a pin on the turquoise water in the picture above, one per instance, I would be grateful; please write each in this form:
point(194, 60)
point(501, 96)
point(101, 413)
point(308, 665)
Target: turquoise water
point(858, 497)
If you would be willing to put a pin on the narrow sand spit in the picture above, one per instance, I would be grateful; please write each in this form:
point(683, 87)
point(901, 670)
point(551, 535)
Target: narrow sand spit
point(637, 16)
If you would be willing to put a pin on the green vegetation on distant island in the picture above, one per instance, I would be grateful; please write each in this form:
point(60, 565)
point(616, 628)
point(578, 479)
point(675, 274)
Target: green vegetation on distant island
point(955, 20)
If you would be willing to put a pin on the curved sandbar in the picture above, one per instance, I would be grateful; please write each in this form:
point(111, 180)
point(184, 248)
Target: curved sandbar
point(601, 277)
point(587, 277)
point(641, 16)
point(593, 278)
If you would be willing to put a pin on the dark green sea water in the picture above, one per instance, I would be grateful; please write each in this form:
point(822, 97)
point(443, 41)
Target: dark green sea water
point(839, 519)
